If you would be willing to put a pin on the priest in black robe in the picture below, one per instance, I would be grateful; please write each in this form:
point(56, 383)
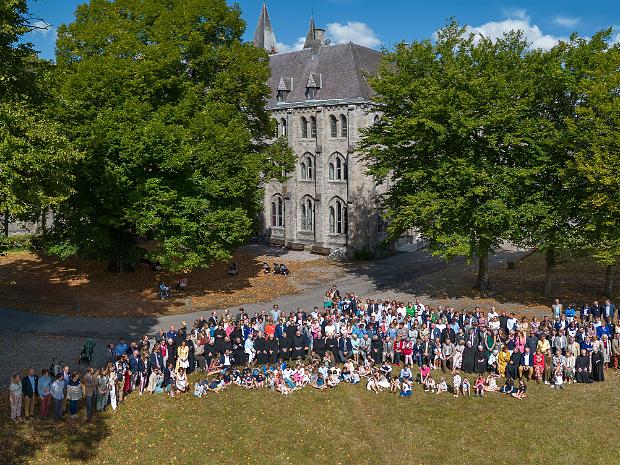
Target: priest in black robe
point(480, 361)
point(468, 358)
point(582, 365)
point(597, 365)
point(512, 368)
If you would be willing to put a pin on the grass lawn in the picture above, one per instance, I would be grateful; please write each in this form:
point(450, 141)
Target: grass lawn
point(347, 425)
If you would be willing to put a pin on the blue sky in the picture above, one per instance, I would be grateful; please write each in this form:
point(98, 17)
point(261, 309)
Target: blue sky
point(383, 23)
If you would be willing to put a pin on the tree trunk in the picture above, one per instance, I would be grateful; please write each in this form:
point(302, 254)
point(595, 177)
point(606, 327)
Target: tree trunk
point(550, 259)
point(609, 281)
point(6, 223)
point(482, 283)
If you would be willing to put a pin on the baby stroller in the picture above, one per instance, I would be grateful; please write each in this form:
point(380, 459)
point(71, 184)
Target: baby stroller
point(87, 351)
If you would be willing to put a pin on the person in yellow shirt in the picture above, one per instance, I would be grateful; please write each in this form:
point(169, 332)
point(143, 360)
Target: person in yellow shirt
point(543, 344)
point(182, 356)
point(502, 360)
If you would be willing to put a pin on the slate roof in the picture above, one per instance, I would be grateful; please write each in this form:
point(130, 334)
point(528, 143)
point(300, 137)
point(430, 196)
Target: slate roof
point(339, 69)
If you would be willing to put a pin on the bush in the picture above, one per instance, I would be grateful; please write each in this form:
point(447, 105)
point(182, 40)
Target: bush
point(16, 243)
point(362, 255)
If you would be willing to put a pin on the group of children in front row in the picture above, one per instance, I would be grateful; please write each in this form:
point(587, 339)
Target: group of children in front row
point(284, 378)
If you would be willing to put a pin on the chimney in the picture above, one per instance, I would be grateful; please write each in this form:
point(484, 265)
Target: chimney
point(319, 36)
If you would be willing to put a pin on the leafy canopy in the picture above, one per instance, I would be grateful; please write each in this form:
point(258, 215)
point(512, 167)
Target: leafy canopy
point(168, 105)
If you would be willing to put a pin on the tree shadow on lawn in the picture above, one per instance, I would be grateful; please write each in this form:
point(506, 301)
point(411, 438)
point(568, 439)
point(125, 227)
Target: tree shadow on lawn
point(72, 440)
point(578, 280)
point(35, 282)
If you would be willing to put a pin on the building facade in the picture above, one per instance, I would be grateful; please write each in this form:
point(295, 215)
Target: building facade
point(321, 100)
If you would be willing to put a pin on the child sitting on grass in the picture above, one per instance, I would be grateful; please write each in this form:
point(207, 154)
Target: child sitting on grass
point(405, 390)
point(479, 387)
point(442, 386)
point(429, 384)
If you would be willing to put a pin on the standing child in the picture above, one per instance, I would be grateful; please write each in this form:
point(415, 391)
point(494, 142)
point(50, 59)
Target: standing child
point(558, 378)
point(456, 383)
point(465, 387)
point(15, 396)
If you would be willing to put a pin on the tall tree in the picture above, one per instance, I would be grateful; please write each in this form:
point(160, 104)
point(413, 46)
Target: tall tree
point(454, 131)
point(35, 158)
point(593, 134)
point(168, 103)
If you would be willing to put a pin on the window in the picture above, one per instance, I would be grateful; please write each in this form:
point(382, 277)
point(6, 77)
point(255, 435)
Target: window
point(313, 127)
point(338, 217)
point(304, 127)
point(338, 168)
point(277, 212)
point(333, 124)
point(311, 93)
point(307, 166)
point(307, 215)
point(343, 126)
point(282, 127)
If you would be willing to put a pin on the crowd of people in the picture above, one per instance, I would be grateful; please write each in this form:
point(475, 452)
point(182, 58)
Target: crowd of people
point(385, 345)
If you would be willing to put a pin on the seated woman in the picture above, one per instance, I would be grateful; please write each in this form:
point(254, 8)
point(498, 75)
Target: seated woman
point(181, 382)
point(491, 383)
point(508, 387)
point(520, 392)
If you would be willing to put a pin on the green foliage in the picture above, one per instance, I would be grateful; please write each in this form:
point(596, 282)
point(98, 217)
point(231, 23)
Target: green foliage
point(454, 127)
point(485, 141)
point(168, 105)
point(36, 160)
point(15, 243)
point(362, 255)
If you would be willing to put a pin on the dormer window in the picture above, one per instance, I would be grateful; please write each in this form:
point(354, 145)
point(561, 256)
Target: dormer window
point(284, 87)
point(312, 86)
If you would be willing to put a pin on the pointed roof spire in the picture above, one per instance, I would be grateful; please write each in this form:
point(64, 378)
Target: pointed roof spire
point(264, 36)
point(311, 34)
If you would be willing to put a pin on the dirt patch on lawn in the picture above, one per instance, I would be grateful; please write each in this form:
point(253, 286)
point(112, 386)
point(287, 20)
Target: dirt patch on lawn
point(37, 283)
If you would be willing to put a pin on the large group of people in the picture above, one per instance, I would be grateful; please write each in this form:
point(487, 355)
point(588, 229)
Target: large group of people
point(386, 345)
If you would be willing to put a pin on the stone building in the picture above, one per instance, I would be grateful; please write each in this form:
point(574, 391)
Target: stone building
point(321, 100)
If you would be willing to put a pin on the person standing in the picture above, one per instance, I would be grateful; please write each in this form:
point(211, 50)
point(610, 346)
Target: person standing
point(43, 387)
point(74, 393)
point(15, 396)
point(89, 392)
point(29, 391)
point(58, 396)
point(557, 309)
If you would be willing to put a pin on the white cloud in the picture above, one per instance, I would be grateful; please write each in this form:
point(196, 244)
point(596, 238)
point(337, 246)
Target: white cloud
point(353, 31)
point(520, 21)
point(565, 21)
point(615, 39)
point(43, 28)
point(284, 48)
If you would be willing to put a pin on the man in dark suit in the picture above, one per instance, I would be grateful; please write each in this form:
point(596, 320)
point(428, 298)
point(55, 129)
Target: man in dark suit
point(608, 310)
point(345, 348)
point(29, 392)
point(156, 359)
